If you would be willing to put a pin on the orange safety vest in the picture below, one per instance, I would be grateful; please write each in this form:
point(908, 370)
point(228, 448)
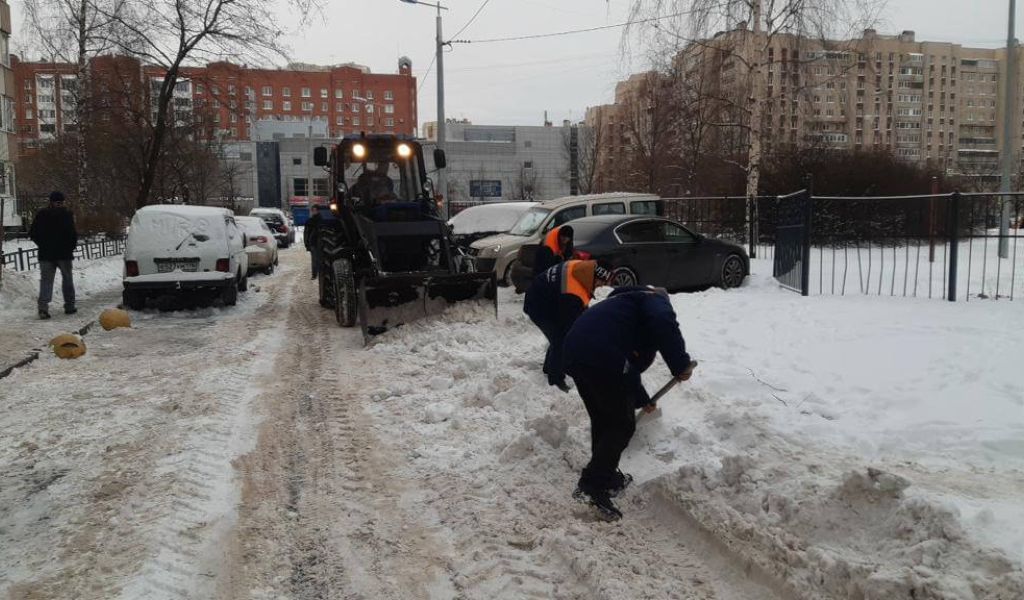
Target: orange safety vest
point(551, 241)
point(576, 274)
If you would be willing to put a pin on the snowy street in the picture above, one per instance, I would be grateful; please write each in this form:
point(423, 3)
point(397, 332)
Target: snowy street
point(827, 447)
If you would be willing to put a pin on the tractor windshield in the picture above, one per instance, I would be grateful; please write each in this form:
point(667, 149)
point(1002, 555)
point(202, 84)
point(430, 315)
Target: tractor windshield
point(384, 181)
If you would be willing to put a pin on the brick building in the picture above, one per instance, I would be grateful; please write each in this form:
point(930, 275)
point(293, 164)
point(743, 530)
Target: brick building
point(226, 99)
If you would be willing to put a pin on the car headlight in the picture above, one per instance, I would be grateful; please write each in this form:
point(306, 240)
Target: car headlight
point(495, 249)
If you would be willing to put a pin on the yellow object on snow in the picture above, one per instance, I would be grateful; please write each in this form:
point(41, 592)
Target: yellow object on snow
point(68, 345)
point(112, 318)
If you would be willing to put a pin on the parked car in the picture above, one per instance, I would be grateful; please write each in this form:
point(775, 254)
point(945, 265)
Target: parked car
point(499, 252)
point(279, 223)
point(650, 251)
point(176, 249)
point(484, 220)
point(260, 244)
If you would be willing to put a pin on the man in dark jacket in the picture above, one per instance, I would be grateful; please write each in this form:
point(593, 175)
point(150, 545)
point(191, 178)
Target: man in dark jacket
point(53, 231)
point(311, 238)
point(557, 247)
point(606, 350)
point(555, 300)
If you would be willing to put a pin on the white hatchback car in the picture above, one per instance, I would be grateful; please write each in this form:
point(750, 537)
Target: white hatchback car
point(260, 244)
point(173, 249)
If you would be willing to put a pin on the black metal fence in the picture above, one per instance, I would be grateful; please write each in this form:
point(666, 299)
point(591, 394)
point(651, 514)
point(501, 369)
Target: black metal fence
point(749, 223)
point(26, 259)
point(935, 246)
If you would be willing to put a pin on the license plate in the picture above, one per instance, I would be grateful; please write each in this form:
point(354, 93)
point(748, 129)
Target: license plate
point(167, 266)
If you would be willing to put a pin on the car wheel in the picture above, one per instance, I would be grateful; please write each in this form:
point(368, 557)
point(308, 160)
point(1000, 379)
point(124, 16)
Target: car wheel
point(269, 270)
point(243, 283)
point(623, 277)
point(506, 279)
point(344, 293)
point(732, 272)
point(277, 259)
point(133, 300)
point(230, 294)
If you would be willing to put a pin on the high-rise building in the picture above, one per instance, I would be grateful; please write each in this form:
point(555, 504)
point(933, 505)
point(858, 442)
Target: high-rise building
point(934, 103)
point(225, 98)
point(7, 135)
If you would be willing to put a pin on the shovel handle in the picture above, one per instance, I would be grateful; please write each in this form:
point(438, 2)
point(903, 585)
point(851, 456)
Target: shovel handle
point(671, 384)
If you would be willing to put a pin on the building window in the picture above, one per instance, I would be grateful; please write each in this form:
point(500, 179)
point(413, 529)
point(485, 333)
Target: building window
point(268, 90)
point(355, 121)
point(323, 93)
point(389, 122)
point(369, 121)
point(339, 120)
point(214, 90)
point(199, 88)
point(286, 92)
point(339, 107)
point(249, 92)
point(286, 105)
point(369, 108)
point(323, 106)
point(389, 109)
point(320, 187)
point(307, 106)
point(369, 94)
point(48, 128)
point(28, 113)
point(305, 92)
point(339, 94)
point(297, 161)
point(299, 186)
point(268, 105)
point(388, 95)
point(234, 118)
point(231, 90)
point(234, 132)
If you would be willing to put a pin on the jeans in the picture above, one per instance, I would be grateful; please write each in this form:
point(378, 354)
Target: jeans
point(314, 261)
point(610, 402)
point(47, 271)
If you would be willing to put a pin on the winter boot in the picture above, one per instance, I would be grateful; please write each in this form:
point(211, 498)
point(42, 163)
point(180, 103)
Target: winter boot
point(70, 311)
point(600, 500)
point(562, 385)
point(43, 314)
point(622, 481)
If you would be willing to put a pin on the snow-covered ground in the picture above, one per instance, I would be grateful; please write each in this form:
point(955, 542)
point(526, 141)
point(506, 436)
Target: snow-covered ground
point(826, 448)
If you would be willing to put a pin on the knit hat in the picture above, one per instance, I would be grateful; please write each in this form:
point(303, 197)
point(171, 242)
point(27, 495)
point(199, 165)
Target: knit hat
point(56, 196)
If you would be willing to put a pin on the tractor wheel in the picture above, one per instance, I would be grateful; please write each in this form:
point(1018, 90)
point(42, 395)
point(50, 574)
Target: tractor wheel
point(345, 305)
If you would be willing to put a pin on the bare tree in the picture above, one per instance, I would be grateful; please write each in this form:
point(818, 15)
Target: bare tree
point(75, 31)
point(584, 151)
point(757, 25)
point(172, 33)
point(524, 187)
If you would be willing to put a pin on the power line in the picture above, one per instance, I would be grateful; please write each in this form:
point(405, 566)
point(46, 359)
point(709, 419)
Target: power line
point(426, 74)
point(572, 31)
point(473, 18)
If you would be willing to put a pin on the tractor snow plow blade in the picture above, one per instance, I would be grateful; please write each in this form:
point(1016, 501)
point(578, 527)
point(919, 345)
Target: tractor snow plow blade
point(393, 300)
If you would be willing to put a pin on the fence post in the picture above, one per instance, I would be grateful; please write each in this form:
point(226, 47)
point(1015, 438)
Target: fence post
point(21, 259)
point(805, 259)
point(954, 243)
point(751, 221)
point(931, 220)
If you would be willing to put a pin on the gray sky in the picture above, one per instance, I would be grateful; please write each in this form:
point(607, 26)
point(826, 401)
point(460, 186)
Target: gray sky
point(515, 82)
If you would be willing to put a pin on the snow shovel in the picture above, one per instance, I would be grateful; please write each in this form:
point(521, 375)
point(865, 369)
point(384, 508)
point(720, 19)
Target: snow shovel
point(664, 390)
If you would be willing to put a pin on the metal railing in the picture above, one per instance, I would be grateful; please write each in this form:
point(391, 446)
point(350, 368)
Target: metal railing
point(26, 259)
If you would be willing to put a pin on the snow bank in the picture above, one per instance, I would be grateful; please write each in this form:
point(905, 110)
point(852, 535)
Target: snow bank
point(848, 446)
point(19, 289)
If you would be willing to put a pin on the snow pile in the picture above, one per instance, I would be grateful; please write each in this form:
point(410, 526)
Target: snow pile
point(840, 447)
point(20, 289)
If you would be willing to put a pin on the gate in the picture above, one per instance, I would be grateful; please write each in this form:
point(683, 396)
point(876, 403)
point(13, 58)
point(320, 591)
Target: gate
point(793, 241)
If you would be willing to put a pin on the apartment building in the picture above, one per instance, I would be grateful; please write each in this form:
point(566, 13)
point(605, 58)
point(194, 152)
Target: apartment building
point(933, 103)
point(227, 99)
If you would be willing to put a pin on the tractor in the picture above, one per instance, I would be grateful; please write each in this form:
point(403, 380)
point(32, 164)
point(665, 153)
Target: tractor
point(387, 257)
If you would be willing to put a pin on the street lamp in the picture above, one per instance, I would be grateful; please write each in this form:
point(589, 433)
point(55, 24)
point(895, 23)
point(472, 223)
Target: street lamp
point(441, 179)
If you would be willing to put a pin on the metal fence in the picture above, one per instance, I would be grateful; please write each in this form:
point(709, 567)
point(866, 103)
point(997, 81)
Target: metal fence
point(936, 246)
point(26, 259)
point(749, 223)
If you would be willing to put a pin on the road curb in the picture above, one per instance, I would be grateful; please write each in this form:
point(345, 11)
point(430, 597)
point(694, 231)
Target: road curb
point(34, 354)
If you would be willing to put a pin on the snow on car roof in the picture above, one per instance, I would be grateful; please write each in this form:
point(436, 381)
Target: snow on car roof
point(185, 210)
point(592, 197)
point(486, 218)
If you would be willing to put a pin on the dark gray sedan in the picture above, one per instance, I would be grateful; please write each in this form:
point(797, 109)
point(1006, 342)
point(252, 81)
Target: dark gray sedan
point(648, 250)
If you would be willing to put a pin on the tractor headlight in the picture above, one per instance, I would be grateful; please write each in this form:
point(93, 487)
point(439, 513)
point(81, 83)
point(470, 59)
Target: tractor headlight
point(359, 151)
point(334, 207)
point(404, 150)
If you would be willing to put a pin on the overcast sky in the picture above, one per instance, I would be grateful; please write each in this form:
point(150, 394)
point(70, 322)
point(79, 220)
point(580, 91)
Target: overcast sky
point(515, 82)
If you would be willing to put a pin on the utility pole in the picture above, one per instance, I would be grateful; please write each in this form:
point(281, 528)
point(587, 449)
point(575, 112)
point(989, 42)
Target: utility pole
point(442, 179)
point(1009, 112)
point(756, 104)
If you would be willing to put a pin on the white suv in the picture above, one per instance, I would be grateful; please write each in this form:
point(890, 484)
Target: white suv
point(172, 249)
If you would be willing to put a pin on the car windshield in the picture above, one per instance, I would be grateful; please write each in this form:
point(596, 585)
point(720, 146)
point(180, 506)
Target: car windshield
point(530, 222)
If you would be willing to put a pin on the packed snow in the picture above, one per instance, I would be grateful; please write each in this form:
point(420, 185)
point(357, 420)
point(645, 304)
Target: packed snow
point(826, 448)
